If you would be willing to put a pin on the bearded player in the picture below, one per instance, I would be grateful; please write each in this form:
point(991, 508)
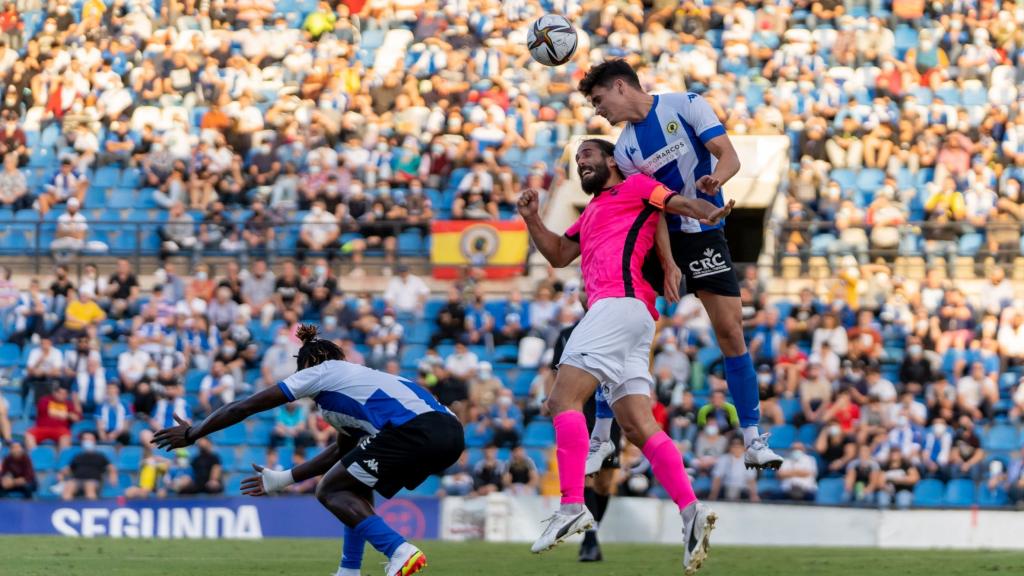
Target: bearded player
point(678, 140)
point(610, 347)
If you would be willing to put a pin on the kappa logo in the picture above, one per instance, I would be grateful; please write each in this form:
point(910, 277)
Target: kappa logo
point(371, 465)
point(631, 150)
point(712, 263)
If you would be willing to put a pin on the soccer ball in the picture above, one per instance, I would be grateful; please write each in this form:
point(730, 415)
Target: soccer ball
point(551, 40)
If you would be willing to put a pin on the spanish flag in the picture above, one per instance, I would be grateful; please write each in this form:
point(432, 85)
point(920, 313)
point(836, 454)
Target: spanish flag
point(500, 247)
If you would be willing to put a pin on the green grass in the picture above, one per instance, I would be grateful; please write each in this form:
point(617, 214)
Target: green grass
point(48, 556)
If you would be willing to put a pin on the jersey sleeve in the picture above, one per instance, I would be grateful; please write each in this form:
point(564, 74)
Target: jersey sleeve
point(702, 117)
point(625, 163)
point(303, 384)
point(573, 232)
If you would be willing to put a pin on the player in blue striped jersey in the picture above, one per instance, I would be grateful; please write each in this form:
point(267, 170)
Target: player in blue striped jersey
point(678, 140)
point(392, 434)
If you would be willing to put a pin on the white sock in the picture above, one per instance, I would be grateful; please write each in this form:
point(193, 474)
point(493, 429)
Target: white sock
point(571, 508)
point(750, 433)
point(347, 572)
point(602, 429)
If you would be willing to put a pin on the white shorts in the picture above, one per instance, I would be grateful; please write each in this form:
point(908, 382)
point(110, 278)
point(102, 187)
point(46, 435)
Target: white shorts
point(613, 344)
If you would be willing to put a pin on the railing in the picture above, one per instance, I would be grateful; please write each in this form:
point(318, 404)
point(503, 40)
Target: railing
point(138, 239)
point(821, 239)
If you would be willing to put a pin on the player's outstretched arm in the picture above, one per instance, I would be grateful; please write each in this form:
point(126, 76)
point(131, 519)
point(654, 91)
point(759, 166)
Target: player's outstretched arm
point(558, 250)
point(185, 434)
point(271, 481)
point(702, 210)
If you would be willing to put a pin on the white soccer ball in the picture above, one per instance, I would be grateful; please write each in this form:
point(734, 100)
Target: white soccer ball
point(551, 40)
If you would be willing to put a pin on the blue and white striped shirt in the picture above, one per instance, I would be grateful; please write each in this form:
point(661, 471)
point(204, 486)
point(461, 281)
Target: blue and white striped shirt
point(360, 400)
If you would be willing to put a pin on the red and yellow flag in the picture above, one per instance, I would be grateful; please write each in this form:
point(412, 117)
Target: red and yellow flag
point(500, 247)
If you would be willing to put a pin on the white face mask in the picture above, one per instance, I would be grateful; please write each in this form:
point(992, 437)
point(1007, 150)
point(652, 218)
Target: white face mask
point(711, 430)
point(939, 429)
point(152, 373)
point(797, 454)
point(281, 340)
point(88, 445)
point(505, 401)
point(229, 350)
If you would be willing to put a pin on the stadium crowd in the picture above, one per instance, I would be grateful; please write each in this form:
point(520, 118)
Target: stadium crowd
point(308, 130)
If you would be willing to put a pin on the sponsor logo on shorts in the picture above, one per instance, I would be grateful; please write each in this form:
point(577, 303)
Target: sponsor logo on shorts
point(371, 465)
point(712, 263)
point(364, 442)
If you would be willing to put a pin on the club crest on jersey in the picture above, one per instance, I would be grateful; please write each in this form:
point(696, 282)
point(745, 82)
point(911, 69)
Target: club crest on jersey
point(670, 153)
point(672, 127)
point(712, 263)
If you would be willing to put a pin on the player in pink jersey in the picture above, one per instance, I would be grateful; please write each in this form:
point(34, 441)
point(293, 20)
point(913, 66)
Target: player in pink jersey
point(611, 345)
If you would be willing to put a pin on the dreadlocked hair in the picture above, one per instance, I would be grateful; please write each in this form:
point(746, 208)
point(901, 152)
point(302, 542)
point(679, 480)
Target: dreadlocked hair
point(315, 350)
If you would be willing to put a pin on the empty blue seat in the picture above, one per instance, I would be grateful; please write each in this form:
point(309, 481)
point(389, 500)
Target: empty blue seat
point(79, 428)
point(790, 407)
point(870, 179)
point(990, 497)
point(233, 486)
point(522, 383)
point(227, 458)
point(783, 436)
point(260, 433)
point(960, 493)
point(476, 437)
point(233, 436)
point(410, 243)
point(845, 178)
point(10, 355)
point(129, 459)
point(808, 434)
point(121, 198)
point(539, 434)
point(44, 458)
point(428, 488)
point(929, 492)
point(412, 354)
point(106, 177)
point(14, 406)
point(1001, 437)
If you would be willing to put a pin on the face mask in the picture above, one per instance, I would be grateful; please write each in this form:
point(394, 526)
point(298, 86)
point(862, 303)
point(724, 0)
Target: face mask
point(168, 349)
point(357, 190)
point(152, 373)
point(834, 430)
point(914, 350)
point(504, 401)
point(382, 147)
point(764, 378)
point(437, 149)
point(387, 321)
point(711, 430)
point(281, 340)
point(670, 347)
point(415, 190)
point(229, 350)
point(797, 454)
point(88, 445)
point(318, 210)
point(939, 429)
point(320, 270)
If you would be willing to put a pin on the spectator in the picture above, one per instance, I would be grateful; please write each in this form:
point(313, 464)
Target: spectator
point(81, 316)
point(710, 446)
point(5, 422)
point(451, 320)
point(730, 478)
point(799, 474)
point(17, 476)
point(674, 359)
point(258, 231)
point(90, 388)
point(207, 472)
point(479, 323)
point(84, 475)
point(167, 407)
point(916, 370)
point(291, 426)
point(406, 294)
point(44, 369)
point(815, 396)
point(385, 340)
point(112, 422)
point(66, 183)
point(896, 481)
point(832, 333)
point(457, 479)
point(320, 287)
point(319, 233)
point(131, 364)
point(13, 186)
point(462, 364)
point(72, 229)
point(938, 445)
point(485, 389)
point(1014, 479)
point(790, 367)
point(977, 393)
point(152, 471)
point(505, 420)
point(521, 475)
point(258, 291)
point(1017, 410)
point(123, 290)
point(279, 359)
point(489, 473)
point(178, 233)
point(967, 456)
point(722, 413)
point(862, 477)
point(54, 415)
point(216, 389)
point(217, 232)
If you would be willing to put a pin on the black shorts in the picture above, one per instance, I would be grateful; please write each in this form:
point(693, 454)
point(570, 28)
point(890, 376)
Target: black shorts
point(590, 412)
point(705, 261)
point(405, 456)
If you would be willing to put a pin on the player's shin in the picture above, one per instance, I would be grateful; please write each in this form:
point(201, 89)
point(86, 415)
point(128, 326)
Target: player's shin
point(742, 381)
point(667, 464)
point(571, 439)
point(381, 536)
point(352, 553)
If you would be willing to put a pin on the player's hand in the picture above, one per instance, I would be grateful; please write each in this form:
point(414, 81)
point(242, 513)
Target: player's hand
point(175, 436)
point(708, 185)
point(253, 485)
point(719, 214)
point(528, 204)
point(673, 280)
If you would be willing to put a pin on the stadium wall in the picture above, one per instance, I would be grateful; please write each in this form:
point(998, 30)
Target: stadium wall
point(500, 518)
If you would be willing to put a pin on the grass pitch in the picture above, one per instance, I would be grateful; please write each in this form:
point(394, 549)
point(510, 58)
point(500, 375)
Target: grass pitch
point(49, 556)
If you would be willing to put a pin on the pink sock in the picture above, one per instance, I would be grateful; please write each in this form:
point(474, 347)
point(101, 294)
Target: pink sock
point(667, 464)
point(573, 443)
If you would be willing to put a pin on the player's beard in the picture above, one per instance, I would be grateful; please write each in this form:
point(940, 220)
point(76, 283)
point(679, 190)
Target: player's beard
point(596, 180)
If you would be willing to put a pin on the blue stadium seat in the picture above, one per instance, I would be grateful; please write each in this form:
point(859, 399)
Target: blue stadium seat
point(808, 434)
point(105, 177)
point(540, 458)
point(227, 457)
point(845, 178)
point(193, 380)
point(129, 459)
point(539, 434)
point(475, 437)
point(259, 435)
point(702, 485)
point(233, 436)
point(233, 485)
point(870, 179)
point(428, 488)
point(768, 487)
point(432, 309)
point(66, 456)
point(929, 492)
point(412, 354)
point(10, 355)
point(410, 243)
point(1002, 438)
point(989, 497)
point(790, 407)
point(960, 493)
point(121, 198)
point(14, 407)
point(79, 428)
point(418, 333)
point(783, 436)
point(44, 458)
